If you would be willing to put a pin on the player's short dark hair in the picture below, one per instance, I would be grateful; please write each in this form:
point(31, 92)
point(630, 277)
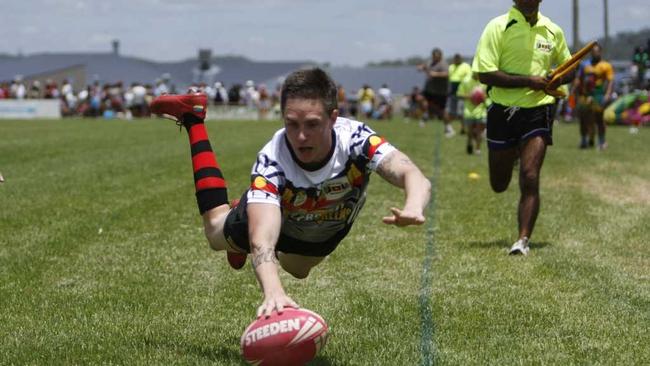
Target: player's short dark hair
point(310, 84)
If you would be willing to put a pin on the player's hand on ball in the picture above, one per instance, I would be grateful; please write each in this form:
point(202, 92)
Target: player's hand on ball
point(276, 302)
point(404, 217)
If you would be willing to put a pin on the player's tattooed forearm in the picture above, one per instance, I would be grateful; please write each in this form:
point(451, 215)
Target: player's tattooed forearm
point(265, 256)
point(405, 161)
point(387, 167)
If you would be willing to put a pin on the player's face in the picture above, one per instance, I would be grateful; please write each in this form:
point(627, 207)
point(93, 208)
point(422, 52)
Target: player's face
point(528, 7)
point(309, 129)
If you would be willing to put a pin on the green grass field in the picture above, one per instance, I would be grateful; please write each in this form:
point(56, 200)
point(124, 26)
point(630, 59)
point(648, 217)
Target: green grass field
point(103, 260)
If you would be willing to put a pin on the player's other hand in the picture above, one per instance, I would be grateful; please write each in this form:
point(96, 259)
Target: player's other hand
point(537, 82)
point(275, 301)
point(404, 217)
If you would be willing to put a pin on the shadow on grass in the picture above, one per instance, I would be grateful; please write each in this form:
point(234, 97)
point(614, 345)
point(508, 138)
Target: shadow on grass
point(219, 353)
point(214, 353)
point(320, 361)
point(505, 243)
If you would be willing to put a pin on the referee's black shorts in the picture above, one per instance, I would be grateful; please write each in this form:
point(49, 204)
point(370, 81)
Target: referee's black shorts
point(507, 127)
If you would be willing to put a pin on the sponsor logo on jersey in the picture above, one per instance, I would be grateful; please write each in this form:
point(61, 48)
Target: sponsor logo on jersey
point(283, 326)
point(336, 188)
point(337, 213)
point(544, 46)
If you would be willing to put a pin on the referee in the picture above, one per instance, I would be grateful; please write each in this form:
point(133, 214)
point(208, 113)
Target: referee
point(514, 57)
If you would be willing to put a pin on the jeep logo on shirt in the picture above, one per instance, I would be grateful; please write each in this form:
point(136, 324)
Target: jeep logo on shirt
point(337, 188)
point(544, 46)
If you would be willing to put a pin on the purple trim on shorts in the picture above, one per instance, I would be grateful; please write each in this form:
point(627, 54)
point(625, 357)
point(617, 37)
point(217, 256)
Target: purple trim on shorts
point(535, 132)
point(501, 145)
point(544, 132)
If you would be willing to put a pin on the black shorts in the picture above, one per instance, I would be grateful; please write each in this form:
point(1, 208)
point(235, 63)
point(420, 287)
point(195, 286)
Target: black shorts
point(236, 231)
point(436, 105)
point(509, 126)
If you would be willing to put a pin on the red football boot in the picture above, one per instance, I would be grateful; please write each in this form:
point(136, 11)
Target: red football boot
point(236, 260)
point(175, 107)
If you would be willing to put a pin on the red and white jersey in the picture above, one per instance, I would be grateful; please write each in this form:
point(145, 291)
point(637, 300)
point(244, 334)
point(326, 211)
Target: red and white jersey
point(316, 205)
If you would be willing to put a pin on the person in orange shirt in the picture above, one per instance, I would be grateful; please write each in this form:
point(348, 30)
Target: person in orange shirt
point(595, 83)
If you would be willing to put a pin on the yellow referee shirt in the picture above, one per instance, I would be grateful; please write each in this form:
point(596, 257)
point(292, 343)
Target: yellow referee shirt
point(458, 73)
point(511, 45)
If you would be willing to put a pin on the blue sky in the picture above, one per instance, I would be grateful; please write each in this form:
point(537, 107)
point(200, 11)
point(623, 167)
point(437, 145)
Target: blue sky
point(342, 32)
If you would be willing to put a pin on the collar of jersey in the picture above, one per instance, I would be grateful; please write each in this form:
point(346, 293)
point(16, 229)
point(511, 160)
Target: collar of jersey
point(316, 166)
point(515, 14)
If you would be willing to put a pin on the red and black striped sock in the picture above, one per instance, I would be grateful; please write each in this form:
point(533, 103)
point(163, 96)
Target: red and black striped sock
point(209, 182)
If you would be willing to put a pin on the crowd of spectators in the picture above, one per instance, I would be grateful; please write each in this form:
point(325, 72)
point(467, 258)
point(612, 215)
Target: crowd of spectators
point(115, 100)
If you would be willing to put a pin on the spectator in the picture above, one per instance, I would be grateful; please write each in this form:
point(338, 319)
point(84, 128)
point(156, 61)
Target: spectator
point(459, 70)
point(139, 103)
point(4, 90)
point(366, 100)
point(251, 95)
point(161, 88)
point(51, 90)
point(115, 95)
point(436, 88)
point(640, 60)
point(263, 103)
point(418, 106)
point(66, 87)
point(220, 94)
point(595, 85)
point(34, 90)
point(275, 101)
point(95, 100)
point(385, 104)
point(17, 89)
point(342, 102)
point(234, 94)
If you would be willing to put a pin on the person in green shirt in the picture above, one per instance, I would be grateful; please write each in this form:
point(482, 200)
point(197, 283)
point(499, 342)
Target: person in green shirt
point(514, 56)
point(640, 60)
point(473, 95)
point(459, 70)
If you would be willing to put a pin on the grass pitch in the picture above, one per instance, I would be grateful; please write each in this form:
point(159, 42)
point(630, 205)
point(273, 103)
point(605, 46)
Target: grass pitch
point(103, 260)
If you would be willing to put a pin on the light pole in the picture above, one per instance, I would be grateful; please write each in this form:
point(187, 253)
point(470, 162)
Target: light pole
point(576, 36)
point(606, 20)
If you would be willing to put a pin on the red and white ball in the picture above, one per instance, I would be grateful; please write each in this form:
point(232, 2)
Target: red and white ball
point(291, 338)
point(477, 96)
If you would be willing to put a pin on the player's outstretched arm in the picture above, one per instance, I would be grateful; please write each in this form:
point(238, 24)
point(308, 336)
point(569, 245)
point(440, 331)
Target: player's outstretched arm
point(399, 170)
point(264, 222)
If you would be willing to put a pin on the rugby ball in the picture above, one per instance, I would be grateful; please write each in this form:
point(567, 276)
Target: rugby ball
point(477, 96)
point(288, 339)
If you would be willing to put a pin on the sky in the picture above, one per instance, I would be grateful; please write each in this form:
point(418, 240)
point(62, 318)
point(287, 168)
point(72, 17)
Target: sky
point(339, 32)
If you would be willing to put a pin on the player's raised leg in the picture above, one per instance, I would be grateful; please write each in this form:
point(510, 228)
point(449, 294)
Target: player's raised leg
point(189, 110)
point(501, 163)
